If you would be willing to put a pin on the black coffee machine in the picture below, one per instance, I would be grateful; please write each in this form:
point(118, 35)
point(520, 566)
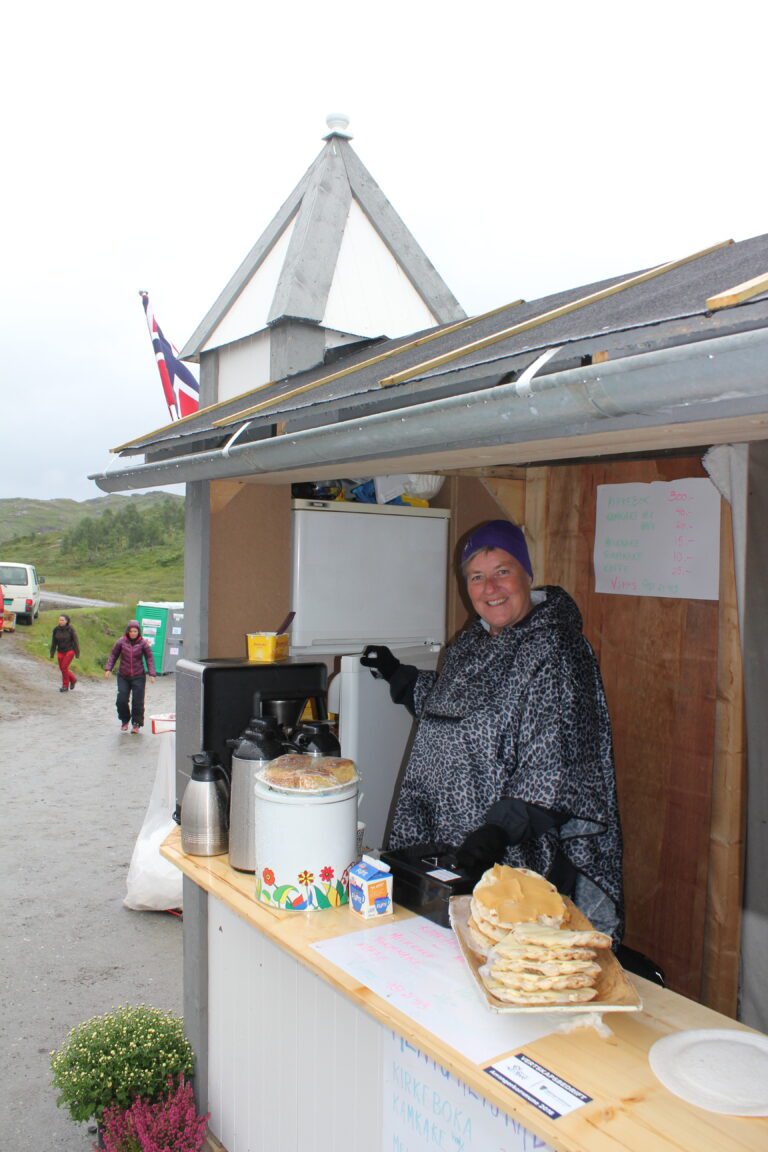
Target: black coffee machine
point(215, 699)
point(311, 736)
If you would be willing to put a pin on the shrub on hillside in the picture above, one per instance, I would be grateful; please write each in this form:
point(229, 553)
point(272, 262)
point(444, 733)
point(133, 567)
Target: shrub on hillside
point(130, 528)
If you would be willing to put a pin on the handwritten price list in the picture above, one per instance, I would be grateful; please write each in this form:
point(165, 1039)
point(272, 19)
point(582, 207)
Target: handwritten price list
point(659, 539)
point(418, 967)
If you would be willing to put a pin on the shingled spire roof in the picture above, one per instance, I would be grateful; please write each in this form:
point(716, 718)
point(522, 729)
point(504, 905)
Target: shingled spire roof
point(306, 264)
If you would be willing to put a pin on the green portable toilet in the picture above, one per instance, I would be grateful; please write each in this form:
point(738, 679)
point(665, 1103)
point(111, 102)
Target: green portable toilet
point(162, 626)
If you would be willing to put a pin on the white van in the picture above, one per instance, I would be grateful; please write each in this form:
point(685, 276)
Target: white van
point(21, 590)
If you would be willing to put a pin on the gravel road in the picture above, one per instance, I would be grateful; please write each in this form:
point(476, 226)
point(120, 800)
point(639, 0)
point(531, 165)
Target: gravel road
point(73, 792)
point(62, 600)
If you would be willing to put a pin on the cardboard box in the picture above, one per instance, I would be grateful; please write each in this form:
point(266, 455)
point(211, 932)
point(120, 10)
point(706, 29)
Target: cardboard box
point(163, 722)
point(370, 888)
point(266, 647)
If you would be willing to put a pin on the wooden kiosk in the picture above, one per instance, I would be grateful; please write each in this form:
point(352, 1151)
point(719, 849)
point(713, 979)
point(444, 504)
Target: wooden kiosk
point(525, 410)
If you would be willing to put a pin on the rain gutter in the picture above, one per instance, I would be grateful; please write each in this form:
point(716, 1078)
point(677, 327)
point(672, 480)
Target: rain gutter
point(722, 371)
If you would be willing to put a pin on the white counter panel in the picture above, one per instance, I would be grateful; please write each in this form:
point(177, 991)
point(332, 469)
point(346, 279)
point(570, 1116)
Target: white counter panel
point(287, 1054)
point(304, 1057)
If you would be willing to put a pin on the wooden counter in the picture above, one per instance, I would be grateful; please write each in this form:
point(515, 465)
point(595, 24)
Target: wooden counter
point(630, 1109)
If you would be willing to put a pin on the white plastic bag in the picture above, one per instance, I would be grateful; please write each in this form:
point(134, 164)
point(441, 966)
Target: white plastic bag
point(154, 884)
point(411, 484)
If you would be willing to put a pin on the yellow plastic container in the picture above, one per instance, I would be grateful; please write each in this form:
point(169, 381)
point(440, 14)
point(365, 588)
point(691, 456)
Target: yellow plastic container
point(266, 647)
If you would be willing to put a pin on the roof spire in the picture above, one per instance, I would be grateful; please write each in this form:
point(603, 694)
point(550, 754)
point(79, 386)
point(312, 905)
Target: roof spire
point(337, 123)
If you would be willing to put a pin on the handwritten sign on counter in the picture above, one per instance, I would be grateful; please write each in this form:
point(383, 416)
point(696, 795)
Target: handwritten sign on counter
point(418, 967)
point(659, 539)
point(426, 1108)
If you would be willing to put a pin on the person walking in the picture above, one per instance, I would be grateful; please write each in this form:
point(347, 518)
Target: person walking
point(66, 646)
point(136, 661)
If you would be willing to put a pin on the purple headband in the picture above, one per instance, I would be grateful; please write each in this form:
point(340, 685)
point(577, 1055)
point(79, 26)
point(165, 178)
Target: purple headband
point(498, 534)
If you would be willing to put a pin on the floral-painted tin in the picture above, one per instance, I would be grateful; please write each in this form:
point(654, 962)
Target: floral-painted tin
point(305, 845)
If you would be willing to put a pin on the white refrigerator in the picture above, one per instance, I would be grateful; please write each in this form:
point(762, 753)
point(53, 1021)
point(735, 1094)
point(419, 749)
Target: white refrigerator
point(375, 733)
point(369, 574)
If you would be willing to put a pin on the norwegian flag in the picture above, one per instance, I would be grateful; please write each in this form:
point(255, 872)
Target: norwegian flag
point(181, 389)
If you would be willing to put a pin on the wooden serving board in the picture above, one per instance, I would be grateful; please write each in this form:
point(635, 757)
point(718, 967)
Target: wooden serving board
point(615, 991)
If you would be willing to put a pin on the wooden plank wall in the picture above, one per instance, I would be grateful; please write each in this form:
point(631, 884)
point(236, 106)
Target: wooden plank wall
point(672, 675)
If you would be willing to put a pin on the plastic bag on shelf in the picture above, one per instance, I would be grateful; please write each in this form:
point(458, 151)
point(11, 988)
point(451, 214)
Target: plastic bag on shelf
point(404, 488)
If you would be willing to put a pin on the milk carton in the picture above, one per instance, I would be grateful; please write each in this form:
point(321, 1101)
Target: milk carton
point(370, 888)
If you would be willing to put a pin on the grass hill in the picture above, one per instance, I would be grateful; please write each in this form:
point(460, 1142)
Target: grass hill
point(22, 517)
point(129, 552)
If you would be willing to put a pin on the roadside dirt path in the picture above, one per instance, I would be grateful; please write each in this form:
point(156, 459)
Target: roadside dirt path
point(62, 600)
point(73, 792)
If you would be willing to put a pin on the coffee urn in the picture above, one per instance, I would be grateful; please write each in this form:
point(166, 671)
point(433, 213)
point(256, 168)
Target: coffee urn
point(259, 744)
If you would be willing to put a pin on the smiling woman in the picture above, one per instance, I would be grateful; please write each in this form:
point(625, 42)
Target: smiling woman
point(512, 760)
point(498, 573)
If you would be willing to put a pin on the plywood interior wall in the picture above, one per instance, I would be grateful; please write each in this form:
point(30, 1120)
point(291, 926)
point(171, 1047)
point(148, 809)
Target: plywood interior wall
point(672, 675)
point(250, 563)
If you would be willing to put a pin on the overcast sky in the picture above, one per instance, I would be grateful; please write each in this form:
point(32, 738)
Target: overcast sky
point(529, 148)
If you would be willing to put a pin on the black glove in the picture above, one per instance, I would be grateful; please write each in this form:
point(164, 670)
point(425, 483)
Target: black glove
point(380, 660)
point(483, 848)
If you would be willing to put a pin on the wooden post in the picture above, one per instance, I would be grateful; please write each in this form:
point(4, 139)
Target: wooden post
point(725, 882)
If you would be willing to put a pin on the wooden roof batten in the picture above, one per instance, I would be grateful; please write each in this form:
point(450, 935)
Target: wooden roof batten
point(544, 317)
point(738, 294)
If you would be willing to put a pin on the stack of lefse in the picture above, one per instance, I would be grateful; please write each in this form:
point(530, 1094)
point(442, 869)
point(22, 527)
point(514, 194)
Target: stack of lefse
point(517, 924)
point(299, 772)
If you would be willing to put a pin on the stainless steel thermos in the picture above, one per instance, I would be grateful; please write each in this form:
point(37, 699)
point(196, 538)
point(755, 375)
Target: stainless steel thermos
point(260, 743)
point(204, 806)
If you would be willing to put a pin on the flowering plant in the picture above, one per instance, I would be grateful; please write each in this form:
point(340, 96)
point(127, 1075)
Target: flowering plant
point(169, 1125)
point(112, 1059)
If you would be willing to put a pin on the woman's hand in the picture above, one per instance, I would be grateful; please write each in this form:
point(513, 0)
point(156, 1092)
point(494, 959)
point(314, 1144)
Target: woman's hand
point(151, 679)
point(483, 847)
point(107, 675)
point(380, 660)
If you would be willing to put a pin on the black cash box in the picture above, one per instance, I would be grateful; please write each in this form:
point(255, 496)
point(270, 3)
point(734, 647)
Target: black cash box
point(424, 877)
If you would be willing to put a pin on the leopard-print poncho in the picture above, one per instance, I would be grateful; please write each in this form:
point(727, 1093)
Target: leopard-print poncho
point(521, 714)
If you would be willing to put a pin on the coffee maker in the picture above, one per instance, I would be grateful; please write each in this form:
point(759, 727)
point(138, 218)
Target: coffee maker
point(216, 699)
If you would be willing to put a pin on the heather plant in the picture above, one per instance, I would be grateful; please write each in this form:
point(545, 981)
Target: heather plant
point(110, 1060)
point(118, 1131)
point(171, 1124)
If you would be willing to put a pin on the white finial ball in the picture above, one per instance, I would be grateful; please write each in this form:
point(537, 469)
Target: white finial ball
point(337, 121)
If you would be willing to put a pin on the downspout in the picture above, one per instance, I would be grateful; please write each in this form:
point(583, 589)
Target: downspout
point(726, 368)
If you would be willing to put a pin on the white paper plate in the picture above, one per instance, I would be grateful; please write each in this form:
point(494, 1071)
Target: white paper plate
point(719, 1069)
